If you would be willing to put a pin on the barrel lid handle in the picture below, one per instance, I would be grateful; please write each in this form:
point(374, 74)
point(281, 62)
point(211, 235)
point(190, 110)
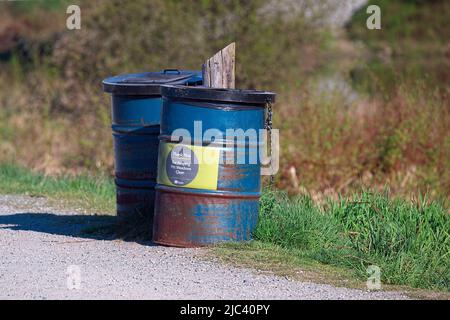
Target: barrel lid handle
point(171, 70)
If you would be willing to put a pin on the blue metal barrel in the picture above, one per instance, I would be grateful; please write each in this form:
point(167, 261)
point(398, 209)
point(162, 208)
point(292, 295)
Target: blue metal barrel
point(209, 183)
point(136, 112)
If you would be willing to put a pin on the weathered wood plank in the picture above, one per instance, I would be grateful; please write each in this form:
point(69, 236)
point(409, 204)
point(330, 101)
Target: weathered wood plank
point(219, 71)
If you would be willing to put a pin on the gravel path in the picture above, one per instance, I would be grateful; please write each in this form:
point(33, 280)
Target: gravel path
point(43, 250)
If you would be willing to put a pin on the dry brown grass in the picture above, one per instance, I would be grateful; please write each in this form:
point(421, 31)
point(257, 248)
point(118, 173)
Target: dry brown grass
point(328, 147)
point(55, 117)
point(332, 147)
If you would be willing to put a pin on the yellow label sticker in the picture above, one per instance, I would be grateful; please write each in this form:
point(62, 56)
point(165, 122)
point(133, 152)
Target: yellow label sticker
point(187, 166)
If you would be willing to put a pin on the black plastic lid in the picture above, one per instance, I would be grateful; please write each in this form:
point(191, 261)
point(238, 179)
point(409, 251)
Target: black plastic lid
point(217, 94)
point(149, 83)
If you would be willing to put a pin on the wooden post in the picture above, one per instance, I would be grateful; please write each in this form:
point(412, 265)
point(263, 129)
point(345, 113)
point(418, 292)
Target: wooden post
point(219, 70)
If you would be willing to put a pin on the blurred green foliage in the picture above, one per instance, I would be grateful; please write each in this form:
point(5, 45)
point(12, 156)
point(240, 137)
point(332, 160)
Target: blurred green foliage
point(29, 6)
point(121, 36)
point(405, 20)
point(411, 46)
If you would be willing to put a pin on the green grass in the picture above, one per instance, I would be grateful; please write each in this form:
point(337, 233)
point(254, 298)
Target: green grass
point(27, 6)
point(92, 193)
point(409, 241)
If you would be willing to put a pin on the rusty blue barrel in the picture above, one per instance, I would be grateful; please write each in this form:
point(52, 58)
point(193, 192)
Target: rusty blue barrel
point(136, 111)
point(209, 165)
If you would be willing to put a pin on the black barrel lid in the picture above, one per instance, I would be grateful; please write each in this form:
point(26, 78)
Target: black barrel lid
point(149, 83)
point(217, 94)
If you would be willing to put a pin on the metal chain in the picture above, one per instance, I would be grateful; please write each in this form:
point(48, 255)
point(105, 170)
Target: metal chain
point(268, 127)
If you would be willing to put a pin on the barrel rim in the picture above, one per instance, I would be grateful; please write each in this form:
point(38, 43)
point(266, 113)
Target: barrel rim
point(209, 193)
point(245, 96)
point(121, 84)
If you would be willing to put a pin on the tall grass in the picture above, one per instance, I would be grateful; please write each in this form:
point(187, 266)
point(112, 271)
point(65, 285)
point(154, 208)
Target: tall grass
point(409, 241)
point(56, 119)
point(336, 146)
